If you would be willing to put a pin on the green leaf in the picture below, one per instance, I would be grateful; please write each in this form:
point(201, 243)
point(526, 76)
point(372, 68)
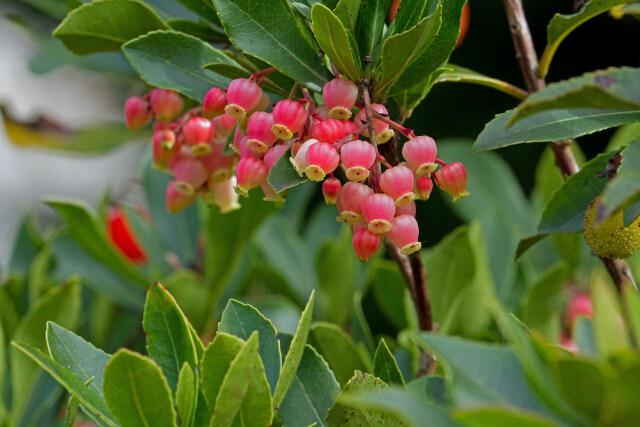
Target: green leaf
point(216, 362)
point(186, 395)
point(370, 29)
point(60, 304)
point(235, 228)
point(198, 29)
point(461, 283)
point(104, 25)
point(348, 11)
point(334, 41)
point(502, 416)
point(268, 31)
point(388, 289)
point(613, 88)
point(625, 186)
point(85, 229)
point(456, 73)
point(562, 25)
point(77, 355)
point(311, 394)
point(26, 245)
point(175, 61)
point(286, 253)
point(480, 373)
point(430, 388)
point(236, 72)
point(400, 50)
point(72, 411)
point(294, 355)
point(584, 336)
point(235, 386)
point(411, 12)
point(438, 52)
point(339, 273)
point(582, 383)
point(527, 243)
point(283, 176)
point(552, 125)
point(136, 391)
point(564, 213)
point(543, 304)
point(339, 350)
point(385, 366)
point(87, 397)
point(632, 305)
point(399, 405)
point(410, 98)
point(357, 415)
point(3, 373)
point(610, 333)
point(169, 341)
point(241, 320)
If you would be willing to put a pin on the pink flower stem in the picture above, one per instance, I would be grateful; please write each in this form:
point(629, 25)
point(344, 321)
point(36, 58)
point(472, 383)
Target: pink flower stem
point(403, 130)
point(263, 73)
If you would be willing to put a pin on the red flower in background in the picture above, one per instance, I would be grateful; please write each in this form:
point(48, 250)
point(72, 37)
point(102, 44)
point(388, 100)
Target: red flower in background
point(123, 238)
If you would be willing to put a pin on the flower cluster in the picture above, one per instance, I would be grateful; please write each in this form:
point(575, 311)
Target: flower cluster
point(323, 142)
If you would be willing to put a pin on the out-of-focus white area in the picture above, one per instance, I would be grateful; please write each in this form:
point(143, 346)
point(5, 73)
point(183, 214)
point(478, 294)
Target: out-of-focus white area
point(71, 97)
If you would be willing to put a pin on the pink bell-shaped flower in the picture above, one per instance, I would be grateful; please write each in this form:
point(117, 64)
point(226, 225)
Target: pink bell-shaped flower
point(219, 166)
point(214, 102)
point(322, 159)
point(357, 157)
point(222, 194)
point(189, 172)
point(404, 234)
point(289, 117)
point(165, 146)
point(420, 152)
point(299, 160)
point(330, 131)
point(365, 243)
point(137, 113)
point(350, 200)
point(259, 132)
point(409, 209)
point(330, 190)
point(242, 96)
point(383, 133)
point(340, 95)
point(397, 182)
point(452, 178)
point(224, 125)
point(176, 201)
point(198, 133)
point(378, 210)
point(423, 187)
point(166, 104)
point(250, 173)
point(273, 155)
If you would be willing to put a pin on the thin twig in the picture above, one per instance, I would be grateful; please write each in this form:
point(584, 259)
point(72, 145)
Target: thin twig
point(566, 162)
point(366, 96)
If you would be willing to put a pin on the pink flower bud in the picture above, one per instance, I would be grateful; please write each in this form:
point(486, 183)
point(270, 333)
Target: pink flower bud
point(378, 210)
point(242, 96)
point(365, 243)
point(299, 161)
point(273, 155)
point(397, 182)
point(270, 194)
point(383, 133)
point(259, 132)
point(340, 96)
point(219, 166)
point(453, 179)
point(580, 305)
point(420, 152)
point(250, 173)
point(404, 234)
point(198, 133)
point(189, 173)
point(222, 194)
point(245, 151)
point(358, 157)
point(137, 113)
point(423, 188)
point(350, 200)
point(410, 209)
point(224, 124)
point(165, 104)
point(330, 131)
point(322, 159)
point(330, 190)
point(289, 118)
point(214, 102)
point(165, 147)
point(177, 201)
